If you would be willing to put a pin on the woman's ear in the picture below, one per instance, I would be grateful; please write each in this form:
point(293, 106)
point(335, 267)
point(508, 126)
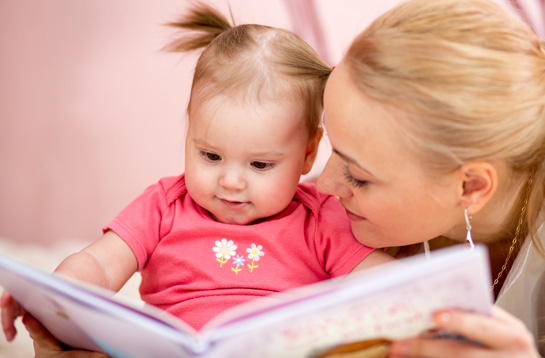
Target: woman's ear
point(312, 151)
point(478, 183)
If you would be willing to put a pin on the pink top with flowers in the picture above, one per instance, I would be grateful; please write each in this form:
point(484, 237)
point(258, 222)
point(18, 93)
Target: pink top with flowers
point(195, 267)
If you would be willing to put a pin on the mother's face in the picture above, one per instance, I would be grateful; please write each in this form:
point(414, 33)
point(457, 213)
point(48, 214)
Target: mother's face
point(390, 199)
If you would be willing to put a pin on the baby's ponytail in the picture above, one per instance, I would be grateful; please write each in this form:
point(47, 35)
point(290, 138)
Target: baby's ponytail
point(205, 22)
point(250, 62)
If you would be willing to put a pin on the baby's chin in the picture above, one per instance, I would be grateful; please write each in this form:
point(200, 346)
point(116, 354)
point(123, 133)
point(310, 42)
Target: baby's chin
point(234, 219)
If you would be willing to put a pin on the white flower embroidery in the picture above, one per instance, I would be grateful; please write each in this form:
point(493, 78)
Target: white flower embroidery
point(224, 250)
point(254, 253)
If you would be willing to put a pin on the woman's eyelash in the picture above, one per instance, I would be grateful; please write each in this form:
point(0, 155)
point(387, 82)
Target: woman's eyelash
point(351, 180)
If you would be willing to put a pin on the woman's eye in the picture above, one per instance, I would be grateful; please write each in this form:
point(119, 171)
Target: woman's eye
point(353, 181)
point(213, 157)
point(261, 165)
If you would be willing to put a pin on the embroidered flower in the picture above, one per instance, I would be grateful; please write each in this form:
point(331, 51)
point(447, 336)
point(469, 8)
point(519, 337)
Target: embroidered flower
point(254, 253)
point(224, 250)
point(238, 261)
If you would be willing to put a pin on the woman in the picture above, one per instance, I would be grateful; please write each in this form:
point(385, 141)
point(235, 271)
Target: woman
point(437, 113)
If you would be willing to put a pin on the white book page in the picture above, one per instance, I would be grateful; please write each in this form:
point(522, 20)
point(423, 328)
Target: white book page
point(393, 301)
point(84, 316)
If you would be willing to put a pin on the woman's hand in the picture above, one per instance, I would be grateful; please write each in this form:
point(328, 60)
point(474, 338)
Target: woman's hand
point(11, 309)
point(501, 336)
point(46, 346)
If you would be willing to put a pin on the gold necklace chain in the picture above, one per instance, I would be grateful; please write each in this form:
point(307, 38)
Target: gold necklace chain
point(517, 232)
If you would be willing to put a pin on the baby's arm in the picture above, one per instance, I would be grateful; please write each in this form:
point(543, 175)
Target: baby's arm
point(375, 258)
point(108, 262)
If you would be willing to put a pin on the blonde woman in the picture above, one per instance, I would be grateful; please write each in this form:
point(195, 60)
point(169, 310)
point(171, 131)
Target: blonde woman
point(436, 117)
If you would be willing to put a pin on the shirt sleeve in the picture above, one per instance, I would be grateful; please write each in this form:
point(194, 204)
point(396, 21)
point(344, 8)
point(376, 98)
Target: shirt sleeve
point(139, 224)
point(342, 252)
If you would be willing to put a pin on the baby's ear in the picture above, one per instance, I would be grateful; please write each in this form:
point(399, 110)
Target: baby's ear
point(479, 181)
point(312, 151)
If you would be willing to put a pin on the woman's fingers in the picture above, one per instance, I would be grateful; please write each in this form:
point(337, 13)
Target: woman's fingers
point(42, 339)
point(499, 336)
point(439, 348)
point(496, 332)
point(46, 346)
point(10, 311)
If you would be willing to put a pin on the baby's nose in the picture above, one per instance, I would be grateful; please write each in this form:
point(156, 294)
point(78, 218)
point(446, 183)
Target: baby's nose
point(232, 179)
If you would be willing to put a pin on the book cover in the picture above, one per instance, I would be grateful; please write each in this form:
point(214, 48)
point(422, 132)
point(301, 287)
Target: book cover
point(391, 301)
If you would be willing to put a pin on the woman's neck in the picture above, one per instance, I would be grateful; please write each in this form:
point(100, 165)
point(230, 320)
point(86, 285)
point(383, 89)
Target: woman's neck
point(496, 225)
point(502, 227)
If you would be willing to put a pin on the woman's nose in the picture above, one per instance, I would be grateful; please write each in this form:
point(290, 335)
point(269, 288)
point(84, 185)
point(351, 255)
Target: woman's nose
point(331, 181)
point(232, 179)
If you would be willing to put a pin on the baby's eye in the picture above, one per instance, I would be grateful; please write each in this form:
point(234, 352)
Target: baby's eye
point(213, 157)
point(261, 165)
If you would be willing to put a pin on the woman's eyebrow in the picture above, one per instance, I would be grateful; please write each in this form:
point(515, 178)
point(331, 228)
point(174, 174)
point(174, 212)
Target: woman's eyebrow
point(351, 160)
point(345, 157)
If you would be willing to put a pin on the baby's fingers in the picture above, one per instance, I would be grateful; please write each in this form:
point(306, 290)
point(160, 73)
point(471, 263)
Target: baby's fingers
point(10, 311)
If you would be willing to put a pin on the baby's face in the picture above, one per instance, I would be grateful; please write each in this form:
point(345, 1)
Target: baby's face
point(244, 160)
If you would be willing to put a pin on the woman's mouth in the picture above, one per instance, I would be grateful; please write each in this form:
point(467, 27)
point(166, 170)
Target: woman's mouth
point(354, 217)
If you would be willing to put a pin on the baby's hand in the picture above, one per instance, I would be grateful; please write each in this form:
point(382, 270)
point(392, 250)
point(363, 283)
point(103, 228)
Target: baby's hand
point(11, 309)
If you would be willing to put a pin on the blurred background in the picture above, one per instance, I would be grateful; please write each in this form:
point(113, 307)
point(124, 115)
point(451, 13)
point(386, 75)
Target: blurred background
point(92, 111)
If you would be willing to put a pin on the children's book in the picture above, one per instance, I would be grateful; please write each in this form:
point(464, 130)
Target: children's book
point(391, 301)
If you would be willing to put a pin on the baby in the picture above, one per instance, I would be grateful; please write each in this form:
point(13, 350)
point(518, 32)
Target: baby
point(238, 224)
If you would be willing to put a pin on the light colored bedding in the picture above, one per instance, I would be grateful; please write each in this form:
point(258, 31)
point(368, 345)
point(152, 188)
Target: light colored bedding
point(46, 258)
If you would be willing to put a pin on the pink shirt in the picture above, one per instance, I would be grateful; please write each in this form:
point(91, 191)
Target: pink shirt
point(195, 267)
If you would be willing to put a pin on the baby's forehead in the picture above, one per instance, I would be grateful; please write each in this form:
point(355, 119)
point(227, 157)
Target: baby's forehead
point(230, 127)
point(249, 102)
point(273, 116)
point(280, 95)
point(257, 89)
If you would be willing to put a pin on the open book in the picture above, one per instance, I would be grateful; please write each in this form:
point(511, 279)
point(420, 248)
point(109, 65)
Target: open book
point(391, 301)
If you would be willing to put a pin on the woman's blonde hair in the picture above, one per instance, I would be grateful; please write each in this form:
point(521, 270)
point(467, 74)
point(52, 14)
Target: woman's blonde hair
point(256, 61)
point(472, 79)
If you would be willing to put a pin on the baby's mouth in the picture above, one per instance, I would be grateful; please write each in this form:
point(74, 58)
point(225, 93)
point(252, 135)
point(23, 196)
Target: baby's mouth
point(236, 205)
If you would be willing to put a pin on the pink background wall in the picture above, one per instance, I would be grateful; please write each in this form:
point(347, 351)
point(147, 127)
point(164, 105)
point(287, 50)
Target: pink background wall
point(92, 112)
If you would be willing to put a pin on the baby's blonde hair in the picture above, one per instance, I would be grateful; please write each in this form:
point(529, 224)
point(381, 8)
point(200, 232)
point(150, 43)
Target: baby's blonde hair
point(472, 79)
point(256, 61)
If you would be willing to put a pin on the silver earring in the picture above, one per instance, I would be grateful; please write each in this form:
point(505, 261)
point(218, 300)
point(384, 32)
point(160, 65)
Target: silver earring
point(469, 241)
point(427, 250)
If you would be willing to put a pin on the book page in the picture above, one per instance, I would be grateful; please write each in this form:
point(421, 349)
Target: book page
point(393, 301)
point(83, 316)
